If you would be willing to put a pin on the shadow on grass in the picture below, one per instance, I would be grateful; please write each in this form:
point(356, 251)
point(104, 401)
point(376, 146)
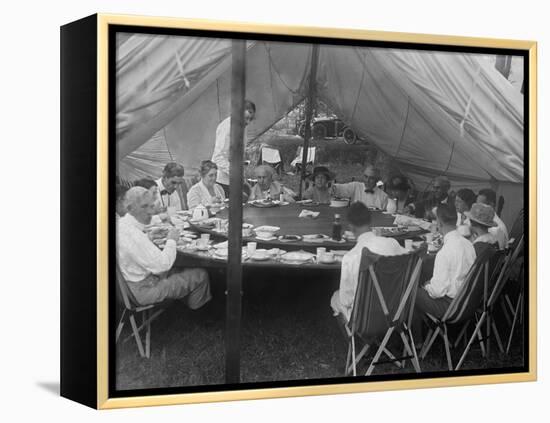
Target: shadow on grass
point(288, 333)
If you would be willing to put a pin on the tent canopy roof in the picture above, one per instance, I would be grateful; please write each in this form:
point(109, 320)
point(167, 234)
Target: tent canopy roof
point(433, 112)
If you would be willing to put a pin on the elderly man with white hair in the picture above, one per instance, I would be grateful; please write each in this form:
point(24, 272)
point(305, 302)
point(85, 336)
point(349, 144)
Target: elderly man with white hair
point(149, 270)
point(366, 192)
point(440, 194)
point(266, 187)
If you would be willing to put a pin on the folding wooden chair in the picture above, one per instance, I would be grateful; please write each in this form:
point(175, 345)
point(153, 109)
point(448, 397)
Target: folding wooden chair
point(272, 157)
point(132, 310)
point(463, 307)
point(516, 234)
point(383, 305)
point(517, 309)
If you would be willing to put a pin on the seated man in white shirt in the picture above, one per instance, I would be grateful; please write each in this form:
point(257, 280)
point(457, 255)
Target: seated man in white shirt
point(500, 232)
point(170, 187)
point(266, 187)
point(147, 269)
point(366, 192)
point(359, 219)
point(451, 266)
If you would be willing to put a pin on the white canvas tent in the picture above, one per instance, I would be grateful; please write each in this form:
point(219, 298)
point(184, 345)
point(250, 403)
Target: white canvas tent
point(433, 112)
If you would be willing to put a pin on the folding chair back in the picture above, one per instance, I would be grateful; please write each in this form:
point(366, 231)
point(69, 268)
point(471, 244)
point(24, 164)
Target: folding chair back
point(384, 282)
point(504, 274)
point(132, 310)
point(124, 295)
point(472, 292)
point(310, 156)
point(517, 229)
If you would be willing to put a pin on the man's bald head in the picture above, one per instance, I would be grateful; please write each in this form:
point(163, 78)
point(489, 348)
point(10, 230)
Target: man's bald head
point(141, 204)
point(371, 176)
point(264, 173)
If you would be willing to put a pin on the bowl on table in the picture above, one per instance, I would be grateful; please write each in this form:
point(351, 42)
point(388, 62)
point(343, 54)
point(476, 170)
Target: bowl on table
point(339, 202)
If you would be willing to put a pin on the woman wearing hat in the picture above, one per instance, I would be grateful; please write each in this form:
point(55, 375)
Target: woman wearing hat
point(399, 190)
point(481, 218)
point(319, 191)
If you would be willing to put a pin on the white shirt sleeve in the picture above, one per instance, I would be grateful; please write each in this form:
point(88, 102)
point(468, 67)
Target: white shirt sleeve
point(194, 197)
point(348, 280)
point(383, 199)
point(142, 253)
point(221, 148)
point(440, 281)
point(345, 190)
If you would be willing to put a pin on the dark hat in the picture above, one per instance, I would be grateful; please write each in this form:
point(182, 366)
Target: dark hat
point(399, 183)
point(323, 170)
point(482, 214)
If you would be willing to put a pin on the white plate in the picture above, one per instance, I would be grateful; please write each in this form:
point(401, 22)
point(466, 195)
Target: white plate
point(267, 228)
point(271, 238)
point(302, 256)
point(259, 257)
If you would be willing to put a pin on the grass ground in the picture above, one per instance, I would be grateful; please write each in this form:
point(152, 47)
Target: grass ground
point(288, 333)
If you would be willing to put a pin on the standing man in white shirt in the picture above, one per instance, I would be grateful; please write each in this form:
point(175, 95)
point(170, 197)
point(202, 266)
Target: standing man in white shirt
point(500, 232)
point(451, 266)
point(223, 140)
point(359, 219)
point(147, 269)
point(366, 192)
point(170, 187)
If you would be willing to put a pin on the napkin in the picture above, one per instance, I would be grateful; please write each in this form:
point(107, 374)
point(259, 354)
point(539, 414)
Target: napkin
point(308, 213)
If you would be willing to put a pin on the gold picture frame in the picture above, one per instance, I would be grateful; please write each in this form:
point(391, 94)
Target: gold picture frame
point(97, 394)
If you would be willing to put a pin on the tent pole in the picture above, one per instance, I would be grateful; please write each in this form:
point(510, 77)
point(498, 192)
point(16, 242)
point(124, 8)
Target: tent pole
point(310, 101)
point(234, 268)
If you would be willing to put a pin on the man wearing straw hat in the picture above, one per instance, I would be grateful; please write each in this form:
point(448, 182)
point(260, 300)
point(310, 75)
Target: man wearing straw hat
point(481, 219)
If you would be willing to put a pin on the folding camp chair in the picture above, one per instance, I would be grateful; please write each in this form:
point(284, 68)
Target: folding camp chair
point(462, 308)
point(517, 310)
point(383, 305)
point(297, 162)
point(492, 285)
point(516, 234)
point(271, 157)
point(132, 310)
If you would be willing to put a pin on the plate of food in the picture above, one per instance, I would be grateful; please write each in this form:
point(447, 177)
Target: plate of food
point(315, 238)
point(290, 238)
point(222, 253)
point(265, 203)
point(297, 257)
point(260, 256)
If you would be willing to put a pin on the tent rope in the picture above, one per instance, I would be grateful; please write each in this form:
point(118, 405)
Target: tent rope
point(166, 144)
point(271, 86)
point(470, 99)
point(272, 63)
point(404, 128)
point(218, 97)
point(358, 94)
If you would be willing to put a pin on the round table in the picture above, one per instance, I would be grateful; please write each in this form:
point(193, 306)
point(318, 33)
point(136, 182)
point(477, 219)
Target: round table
point(286, 218)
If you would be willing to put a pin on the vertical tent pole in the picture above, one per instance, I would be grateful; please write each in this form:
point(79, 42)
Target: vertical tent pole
point(234, 269)
point(309, 111)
